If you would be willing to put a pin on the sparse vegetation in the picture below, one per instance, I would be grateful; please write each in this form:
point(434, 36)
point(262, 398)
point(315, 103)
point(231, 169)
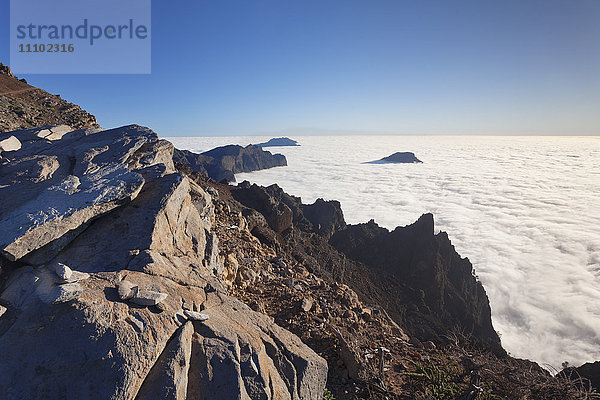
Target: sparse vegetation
point(327, 395)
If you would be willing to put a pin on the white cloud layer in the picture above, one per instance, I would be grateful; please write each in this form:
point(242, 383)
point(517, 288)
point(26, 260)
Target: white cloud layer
point(525, 210)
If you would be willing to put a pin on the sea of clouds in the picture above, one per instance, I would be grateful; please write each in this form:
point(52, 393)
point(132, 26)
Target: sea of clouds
point(524, 210)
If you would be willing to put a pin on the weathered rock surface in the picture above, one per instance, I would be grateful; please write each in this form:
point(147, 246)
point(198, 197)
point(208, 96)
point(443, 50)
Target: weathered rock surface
point(92, 177)
point(399, 158)
point(168, 378)
point(64, 293)
point(282, 141)
point(235, 362)
point(148, 297)
point(109, 205)
point(223, 162)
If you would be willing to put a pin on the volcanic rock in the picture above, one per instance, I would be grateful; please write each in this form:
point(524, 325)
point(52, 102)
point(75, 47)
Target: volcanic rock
point(441, 282)
point(23, 106)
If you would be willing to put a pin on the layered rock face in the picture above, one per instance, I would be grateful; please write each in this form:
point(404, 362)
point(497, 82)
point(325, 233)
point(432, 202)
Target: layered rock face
point(24, 106)
point(108, 280)
point(222, 163)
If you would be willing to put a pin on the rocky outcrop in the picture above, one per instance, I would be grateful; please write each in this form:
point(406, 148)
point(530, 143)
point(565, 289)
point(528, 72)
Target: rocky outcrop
point(398, 158)
point(150, 319)
point(24, 106)
point(282, 141)
point(444, 281)
point(326, 217)
point(5, 70)
point(222, 163)
point(281, 210)
point(50, 190)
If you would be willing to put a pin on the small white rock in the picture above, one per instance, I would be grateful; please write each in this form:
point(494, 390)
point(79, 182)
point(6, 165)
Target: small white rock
point(307, 304)
point(10, 144)
point(195, 316)
point(63, 271)
point(77, 276)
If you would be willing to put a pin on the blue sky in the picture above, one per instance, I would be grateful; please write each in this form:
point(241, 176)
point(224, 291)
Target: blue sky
point(406, 67)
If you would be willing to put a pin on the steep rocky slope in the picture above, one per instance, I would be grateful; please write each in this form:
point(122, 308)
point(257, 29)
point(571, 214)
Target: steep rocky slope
point(415, 275)
point(25, 106)
point(109, 286)
point(370, 355)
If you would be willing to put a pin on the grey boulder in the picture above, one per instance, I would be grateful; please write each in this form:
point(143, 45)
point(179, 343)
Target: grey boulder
point(126, 290)
point(195, 316)
point(148, 297)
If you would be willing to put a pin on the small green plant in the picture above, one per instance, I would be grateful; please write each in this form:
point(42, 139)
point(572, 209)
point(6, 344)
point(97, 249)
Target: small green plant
point(327, 395)
point(439, 382)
